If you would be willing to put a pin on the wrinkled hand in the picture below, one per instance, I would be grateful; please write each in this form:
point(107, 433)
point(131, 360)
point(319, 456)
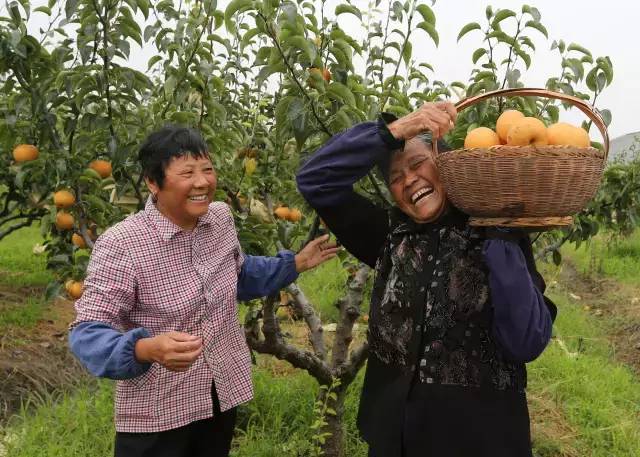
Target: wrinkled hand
point(176, 351)
point(437, 118)
point(315, 253)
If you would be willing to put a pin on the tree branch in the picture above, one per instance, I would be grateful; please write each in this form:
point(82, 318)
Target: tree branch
point(349, 371)
point(349, 312)
point(274, 344)
point(308, 313)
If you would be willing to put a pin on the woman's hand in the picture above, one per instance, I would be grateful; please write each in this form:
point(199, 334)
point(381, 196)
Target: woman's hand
point(437, 118)
point(176, 351)
point(315, 253)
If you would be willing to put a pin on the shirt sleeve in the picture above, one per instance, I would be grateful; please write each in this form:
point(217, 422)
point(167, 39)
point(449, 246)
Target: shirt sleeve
point(107, 352)
point(262, 276)
point(523, 317)
point(326, 181)
point(100, 337)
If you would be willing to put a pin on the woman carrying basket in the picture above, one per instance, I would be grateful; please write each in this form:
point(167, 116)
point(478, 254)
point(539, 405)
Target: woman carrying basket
point(456, 311)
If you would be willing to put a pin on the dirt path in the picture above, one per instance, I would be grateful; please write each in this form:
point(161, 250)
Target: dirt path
point(608, 297)
point(35, 361)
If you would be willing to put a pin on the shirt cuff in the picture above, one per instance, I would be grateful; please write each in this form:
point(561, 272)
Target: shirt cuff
point(291, 274)
point(132, 367)
point(383, 130)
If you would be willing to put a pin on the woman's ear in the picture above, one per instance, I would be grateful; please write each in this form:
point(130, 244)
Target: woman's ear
point(152, 186)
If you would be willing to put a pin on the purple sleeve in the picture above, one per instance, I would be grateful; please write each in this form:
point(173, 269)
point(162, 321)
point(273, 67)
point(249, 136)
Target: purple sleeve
point(522, 319)
point(328, 176)
point(262, 276)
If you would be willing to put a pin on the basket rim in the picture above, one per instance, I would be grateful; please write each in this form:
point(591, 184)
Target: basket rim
point(506, 151)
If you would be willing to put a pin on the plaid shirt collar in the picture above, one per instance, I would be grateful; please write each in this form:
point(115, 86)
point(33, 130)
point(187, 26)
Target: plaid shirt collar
point(164, 226)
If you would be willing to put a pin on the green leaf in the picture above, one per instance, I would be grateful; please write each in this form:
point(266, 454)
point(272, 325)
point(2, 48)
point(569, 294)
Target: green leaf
point(301, 43)
point(406, 52)
point(502, 37)
point(153, 61)
point(591, 79)
point(234, 7)
point(539, 27)
point(527, 41)
point(484, 75)
point(344, 47)
point(144, 7)
point(488, 12)
point(576, 67)
point(431, 30)
point(477, 54)
point(500, 16)
point(427, 14)
point(70, 7)
point(223, 41)
point(341, 93)
point(606, 116)
point(601, 80)
point(577, 47)
point(557, 257)
point(566, 88)
point(605, 64)
point(43, 9)
point(247, 37)
point(170, 86)
point(535, 14)
point(348, 9)
point(52, 290)
point(554, 113)
point(468, 28)
point(523, 55)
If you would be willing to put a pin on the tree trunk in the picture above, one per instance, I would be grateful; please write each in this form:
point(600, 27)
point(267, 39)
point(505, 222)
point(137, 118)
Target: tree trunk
point(334, 442)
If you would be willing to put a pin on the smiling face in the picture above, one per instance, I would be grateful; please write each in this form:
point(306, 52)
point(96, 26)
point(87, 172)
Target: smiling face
point(187, 190)
point(415, 184)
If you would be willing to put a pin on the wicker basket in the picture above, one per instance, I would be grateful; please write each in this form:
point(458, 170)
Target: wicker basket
point(524, 186)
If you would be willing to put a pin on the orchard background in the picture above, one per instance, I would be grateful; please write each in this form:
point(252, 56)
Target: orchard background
point(267, 83)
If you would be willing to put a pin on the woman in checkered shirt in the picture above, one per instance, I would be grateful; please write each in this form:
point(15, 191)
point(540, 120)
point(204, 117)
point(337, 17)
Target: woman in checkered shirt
point(159, 309)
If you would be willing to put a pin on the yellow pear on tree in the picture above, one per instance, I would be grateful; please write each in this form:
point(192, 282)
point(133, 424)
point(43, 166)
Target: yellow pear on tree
point(64, 199)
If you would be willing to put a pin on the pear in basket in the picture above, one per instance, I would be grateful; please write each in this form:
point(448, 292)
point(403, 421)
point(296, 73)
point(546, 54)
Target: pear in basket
point(562, 133)
point(528, 131)
point(505, 122)
point(481, 137)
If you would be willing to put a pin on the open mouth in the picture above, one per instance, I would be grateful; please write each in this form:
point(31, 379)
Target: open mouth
point(198, 198)
point(421, 194)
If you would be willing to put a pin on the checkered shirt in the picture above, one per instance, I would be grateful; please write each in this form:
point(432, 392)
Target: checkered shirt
point(148, 272)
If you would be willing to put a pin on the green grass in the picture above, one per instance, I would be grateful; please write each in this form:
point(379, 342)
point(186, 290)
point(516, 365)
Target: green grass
point(19, 266)
point(22, 273)
point(323, 286)
point(23, 315)
point(276, 423)
point(618, 258)
point(68, 425)
point(599, 397)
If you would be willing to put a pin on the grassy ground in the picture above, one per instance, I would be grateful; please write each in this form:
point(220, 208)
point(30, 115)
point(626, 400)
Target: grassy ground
point(22, 280)
point(617, 258)
point(583, 400)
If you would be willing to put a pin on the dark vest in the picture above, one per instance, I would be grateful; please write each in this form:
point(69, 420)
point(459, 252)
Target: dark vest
point(430, 322)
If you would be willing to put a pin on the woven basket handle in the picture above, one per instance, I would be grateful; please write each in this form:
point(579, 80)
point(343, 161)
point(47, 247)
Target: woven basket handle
point(586, 108)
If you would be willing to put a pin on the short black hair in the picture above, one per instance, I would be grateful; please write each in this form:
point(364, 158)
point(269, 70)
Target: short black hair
point(384, 163)
point(166, 143)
